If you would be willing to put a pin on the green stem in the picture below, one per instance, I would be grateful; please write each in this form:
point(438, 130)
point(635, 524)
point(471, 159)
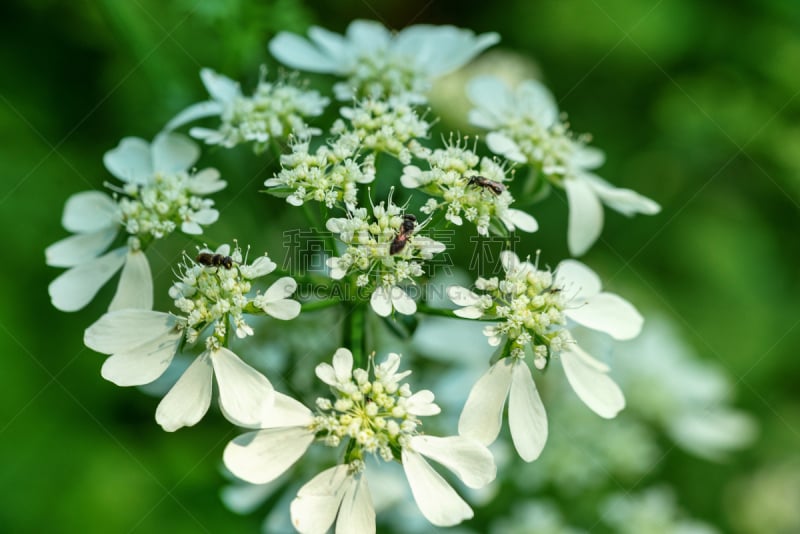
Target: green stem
point(354, 333)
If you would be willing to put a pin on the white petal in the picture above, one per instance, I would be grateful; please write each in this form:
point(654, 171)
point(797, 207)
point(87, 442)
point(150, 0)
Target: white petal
point(625, 201)
point(188, 400)
point(518, 219)
point(585, 216)
point(286, 411)
point(402, 302)
point(144, 363)
point(343, 364)
point(436, 499)
point(262, 456)
point(75, 288)
point(173, 152)
point(79, 248)
point(200, 110)
point(411, 177)
point(244, 393)
point(130, 161)
point(331, 44)
point(466, 458)
point(469, 312)
point(494, 100)
point(284, 309)
point(317, 503)
point(421, 404)
point(504, 146)
point(586, 157)
point(608, 313)
point(357, 513)
point(123, 330)
point(205, 216)
point(461, 296)
point(135, 288)
point(526, 416)
point(578, 280)
point(261, 266)
point(593, 386)
point(89, 211)
point(191, 228)
point(206, 182)
point(221, 88)
point(282, 288)
point(296, 52)
point(368, 35)
point(535, 101)
point(325, 372)
point(380, 301)
point(482, 415)
point(509, 260)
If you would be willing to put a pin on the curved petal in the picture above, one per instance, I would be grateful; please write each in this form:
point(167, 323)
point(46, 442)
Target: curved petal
point(343, 364)
point(75, 288)
point(526, 415)
point(592, 385)
point(173, 152)
point(244, 393)
point(296, 52)
point(89, 211)
point(130, 161)
point(503, 145)
point(436, 499)
point(466, 458)
point(625, 201)
point(578, 280)
point(421, 403)
point(209, 108)
point(494, 100)
point(535, 101)
point(282, 288)
point(585, 216)
point(380, 301)
point(461, 296)
point(143, 364)
point(586, 157)
point(79, 248)
point(286, 411)
point(264, 455)
point(330, 44)
point(135, 288)
point(121, 331)
point(368, 35)
point(317, 503)
point(482, 415)
point(188, 400)
point(608, 313)
point(518, 219)
point(284, 309)
point(206, 182)
point(357, 513)
point(509, 260)
point(220, 87)
point(402, 302)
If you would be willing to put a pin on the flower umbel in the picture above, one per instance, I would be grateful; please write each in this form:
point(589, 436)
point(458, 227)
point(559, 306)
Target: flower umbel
point(377, 416)
point(276, 110)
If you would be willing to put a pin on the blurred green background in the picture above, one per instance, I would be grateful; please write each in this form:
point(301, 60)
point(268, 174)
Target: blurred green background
point(697, 105)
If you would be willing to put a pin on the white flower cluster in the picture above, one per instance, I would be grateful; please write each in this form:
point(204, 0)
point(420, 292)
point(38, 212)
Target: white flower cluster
point(276, 110)
point(158, 195)
point(374, 417)
point(385, 251)
point(390, 126)
point(142, 343)
point(330, 174)
point(214, 290)
point(378, 64)
point(531, 309)
point(469, 186)
point(525, 127)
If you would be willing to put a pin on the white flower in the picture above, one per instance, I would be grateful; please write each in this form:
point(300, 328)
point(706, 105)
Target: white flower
point(158, 195)
point(274, 301)
point(377, 416)
point(387, 298)
point(525, 128)
point(532, 307)
point(378, 63)
point(141, 345)
point(471, 188)
point(275, 110)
